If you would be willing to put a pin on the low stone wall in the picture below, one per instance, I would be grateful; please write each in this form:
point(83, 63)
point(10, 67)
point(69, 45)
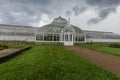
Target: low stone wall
point(60, 43)
point(17, 42)
point(12, 54)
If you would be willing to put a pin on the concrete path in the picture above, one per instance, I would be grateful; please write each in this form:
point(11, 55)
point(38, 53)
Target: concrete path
point(109, 62)
point(6, 52)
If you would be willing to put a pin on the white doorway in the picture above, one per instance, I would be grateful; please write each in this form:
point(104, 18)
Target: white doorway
point(68, 39)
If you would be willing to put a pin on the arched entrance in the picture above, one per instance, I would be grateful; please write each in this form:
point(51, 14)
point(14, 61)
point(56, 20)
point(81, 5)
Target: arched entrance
point(67, 36)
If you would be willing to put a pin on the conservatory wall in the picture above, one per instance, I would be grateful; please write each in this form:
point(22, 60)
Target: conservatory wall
point(48, 37)
point(56, 37)
point(101, 36)
point(17, 36)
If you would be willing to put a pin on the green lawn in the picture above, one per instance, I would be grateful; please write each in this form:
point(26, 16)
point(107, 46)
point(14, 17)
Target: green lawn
point(51, 62)
point(102, 48)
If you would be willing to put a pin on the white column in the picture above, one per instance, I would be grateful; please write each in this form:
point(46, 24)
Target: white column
point(72, 37)
point(52, 37)
point(64, 37)
point(43, 36)
point(68, 36)
point(85, 37)
point(60, 37)
point(35, 37)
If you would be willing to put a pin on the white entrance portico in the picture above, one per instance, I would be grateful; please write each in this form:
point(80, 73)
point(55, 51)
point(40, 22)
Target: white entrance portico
point(68, 33)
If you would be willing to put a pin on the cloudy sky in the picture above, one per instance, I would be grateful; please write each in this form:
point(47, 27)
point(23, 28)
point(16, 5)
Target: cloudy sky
point(100, 15)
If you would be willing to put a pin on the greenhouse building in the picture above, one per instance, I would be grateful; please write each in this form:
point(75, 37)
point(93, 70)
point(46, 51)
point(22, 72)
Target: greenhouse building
point(58, 31)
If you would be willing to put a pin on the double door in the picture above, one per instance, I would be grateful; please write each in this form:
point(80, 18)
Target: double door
point(68, 39)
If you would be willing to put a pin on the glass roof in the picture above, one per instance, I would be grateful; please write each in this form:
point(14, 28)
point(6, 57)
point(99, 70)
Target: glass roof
point(57, 25)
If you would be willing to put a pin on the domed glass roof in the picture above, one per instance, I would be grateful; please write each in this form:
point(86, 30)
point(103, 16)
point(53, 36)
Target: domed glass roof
point(60, 20)
point(57, 25)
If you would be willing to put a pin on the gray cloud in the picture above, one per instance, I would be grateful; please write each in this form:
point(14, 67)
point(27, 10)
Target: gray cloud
point(68, 13)
point(103, 7)
point(102, 14)
point(25, 12)
point(78, 9)
point(103, 3)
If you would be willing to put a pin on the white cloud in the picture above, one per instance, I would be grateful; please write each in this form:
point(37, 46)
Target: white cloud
point(81, 19)
point(111, 24)
point(42, 21)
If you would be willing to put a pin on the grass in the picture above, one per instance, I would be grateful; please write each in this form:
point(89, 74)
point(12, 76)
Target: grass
point(102, 48)
point(18, 45)
point(51, 62)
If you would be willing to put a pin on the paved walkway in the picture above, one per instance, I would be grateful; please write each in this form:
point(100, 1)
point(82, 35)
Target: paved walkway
point(6, 52)
point(109, 62)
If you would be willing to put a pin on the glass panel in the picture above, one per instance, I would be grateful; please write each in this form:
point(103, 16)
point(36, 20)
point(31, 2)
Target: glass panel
point(81, 38)
point(46, 37)
point(66, 37)
point(56, 37)
point(39, 37)
point(62, 37)
point(70, 37)
point(49, 37)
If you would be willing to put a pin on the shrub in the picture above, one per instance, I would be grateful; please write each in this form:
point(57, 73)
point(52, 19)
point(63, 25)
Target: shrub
point(114, 45)
point(3, 45)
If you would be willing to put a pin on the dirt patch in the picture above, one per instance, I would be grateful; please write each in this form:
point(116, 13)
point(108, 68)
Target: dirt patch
point(109, 62)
